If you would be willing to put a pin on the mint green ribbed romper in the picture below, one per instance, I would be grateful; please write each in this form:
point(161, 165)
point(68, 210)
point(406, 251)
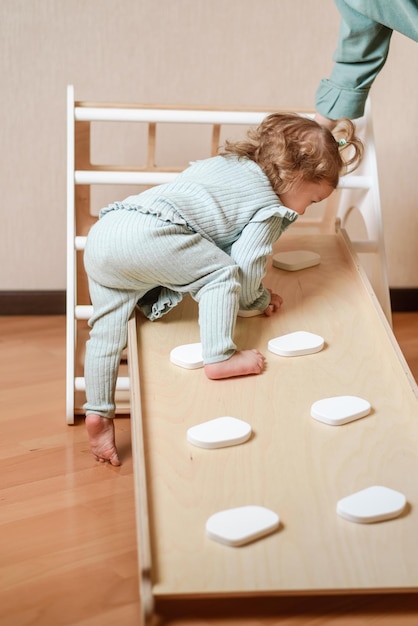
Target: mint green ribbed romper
point(207, 233)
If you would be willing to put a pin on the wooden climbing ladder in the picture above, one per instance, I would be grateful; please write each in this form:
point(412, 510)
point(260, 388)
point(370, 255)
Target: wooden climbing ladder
point(357, 192)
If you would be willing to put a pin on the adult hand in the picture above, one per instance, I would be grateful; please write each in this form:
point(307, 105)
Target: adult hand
point(324, 121)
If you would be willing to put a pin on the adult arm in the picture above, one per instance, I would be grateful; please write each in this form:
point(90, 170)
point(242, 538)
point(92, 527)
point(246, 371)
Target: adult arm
point(362, 50)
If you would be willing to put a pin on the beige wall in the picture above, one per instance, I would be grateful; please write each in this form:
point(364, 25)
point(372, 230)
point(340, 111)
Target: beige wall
point(221, 52)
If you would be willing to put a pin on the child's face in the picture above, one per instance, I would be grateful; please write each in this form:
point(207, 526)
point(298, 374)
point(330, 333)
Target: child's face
point(304, 194)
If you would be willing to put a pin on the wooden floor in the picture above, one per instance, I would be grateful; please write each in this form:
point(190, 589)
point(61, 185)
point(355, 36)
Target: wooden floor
point(67, 547)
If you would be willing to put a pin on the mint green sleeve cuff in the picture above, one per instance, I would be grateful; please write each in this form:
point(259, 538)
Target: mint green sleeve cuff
point(336, 102)
point(362, 49)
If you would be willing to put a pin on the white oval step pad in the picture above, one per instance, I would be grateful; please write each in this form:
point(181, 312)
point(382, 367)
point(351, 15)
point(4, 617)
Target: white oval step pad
point(189, 356)
point(373, 504)
point(295, 260)
point(241, 525)
point(219, 433)
point(340, 410)
point(298, 343)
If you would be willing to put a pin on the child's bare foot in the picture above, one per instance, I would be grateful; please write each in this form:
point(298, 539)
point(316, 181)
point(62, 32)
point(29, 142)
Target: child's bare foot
point(241, 363)
point(101, 432)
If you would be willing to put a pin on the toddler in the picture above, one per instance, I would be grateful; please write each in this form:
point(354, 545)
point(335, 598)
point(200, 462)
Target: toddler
point(208, 234)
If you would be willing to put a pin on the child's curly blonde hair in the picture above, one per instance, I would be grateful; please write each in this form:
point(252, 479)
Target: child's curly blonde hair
point(291, 148)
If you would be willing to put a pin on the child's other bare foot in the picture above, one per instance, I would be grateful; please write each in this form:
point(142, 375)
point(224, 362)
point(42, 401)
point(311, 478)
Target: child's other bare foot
point(241, 363)
point(101, 432)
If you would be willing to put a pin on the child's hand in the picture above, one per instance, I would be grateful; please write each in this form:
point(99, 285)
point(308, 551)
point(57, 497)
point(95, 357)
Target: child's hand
point(276, 302)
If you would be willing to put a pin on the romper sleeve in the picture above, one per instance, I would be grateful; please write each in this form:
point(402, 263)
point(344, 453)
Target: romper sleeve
point(251, 250)
point(362, 49)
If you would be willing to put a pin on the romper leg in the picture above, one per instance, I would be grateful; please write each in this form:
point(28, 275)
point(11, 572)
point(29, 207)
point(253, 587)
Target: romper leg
point(108, 338)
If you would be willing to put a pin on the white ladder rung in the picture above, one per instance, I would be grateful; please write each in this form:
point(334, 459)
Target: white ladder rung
point(111, 177)
point(355, 182)
point(122, 383)
point(80, 243)
point(83, 311)
point(114, 114)
point(104, 177)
